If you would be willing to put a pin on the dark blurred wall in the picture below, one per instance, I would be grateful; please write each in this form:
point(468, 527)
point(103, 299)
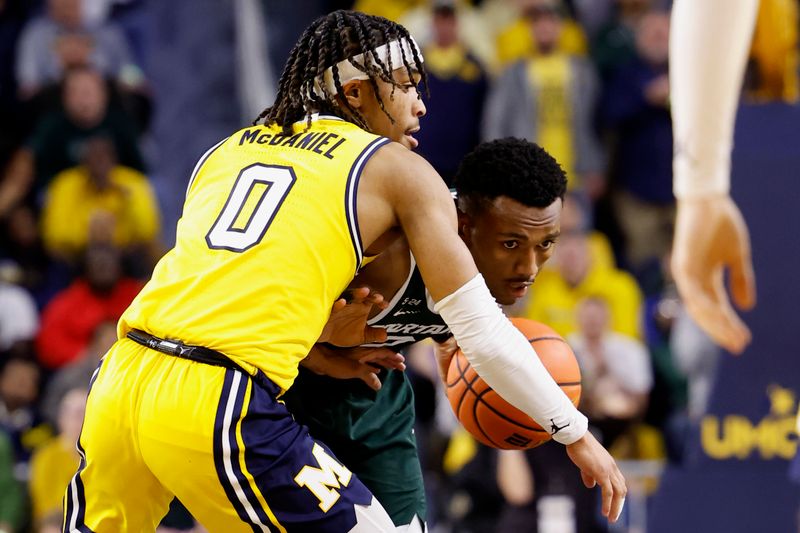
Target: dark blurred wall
point(735, 476)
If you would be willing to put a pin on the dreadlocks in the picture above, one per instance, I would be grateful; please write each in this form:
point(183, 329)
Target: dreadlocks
point(328, 40)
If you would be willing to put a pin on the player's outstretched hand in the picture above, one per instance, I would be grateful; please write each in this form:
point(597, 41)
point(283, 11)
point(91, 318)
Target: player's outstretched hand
point(344, 364)
point(599, 468)
point(347, 325)
point(710, 237)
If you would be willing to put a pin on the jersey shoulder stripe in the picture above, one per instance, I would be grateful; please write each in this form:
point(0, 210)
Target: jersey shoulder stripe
point(352, 193)
point(200, 163)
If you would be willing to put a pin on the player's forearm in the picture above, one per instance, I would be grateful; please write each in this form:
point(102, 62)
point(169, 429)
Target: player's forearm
point(708, 53)
point(503, 357)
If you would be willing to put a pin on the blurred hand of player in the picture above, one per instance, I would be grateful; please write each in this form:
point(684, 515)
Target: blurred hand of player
point(347, 325)
point(347, 364)
point(710, 237)
point(599, 468)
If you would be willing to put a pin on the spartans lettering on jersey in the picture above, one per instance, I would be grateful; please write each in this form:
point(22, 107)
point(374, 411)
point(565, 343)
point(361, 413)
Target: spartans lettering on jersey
point(737, 437)
point(417, 329)
point(322, 143)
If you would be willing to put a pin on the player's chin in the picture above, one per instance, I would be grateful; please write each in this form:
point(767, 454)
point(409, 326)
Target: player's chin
point(506, 298)
point(408, 141)
point(515, 291)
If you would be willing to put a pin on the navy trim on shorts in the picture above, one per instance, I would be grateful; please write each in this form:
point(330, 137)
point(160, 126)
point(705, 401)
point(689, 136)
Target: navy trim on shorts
point(351, 196)
point(229, 412)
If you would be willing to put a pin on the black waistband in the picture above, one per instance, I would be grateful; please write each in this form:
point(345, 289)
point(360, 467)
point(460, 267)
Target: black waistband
point(178, 349)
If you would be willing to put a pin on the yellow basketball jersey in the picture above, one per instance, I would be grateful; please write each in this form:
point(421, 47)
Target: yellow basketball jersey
point(267, 241)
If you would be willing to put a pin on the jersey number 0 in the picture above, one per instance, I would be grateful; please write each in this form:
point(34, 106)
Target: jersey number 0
point(260, 191)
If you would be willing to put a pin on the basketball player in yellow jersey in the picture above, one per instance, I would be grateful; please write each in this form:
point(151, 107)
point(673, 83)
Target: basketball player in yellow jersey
point(276, 222)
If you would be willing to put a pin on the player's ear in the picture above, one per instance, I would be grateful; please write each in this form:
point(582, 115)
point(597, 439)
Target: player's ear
point(464, 225)
point(354, 92)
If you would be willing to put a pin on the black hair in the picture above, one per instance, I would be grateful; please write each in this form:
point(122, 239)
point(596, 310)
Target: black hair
point(516, 168)
point(328, 40)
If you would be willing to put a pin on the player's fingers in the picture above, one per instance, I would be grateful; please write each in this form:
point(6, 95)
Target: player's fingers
point(374, 298)
point(607, 490)
point(392, 363)
point(722, 326)
point(385, 358)
point(338, 305)
point(743, 281)
point(370, 377)
point(708, 305)
point(588, 480)
point(737, 333)
point(620, 490)
point(373, 334)
point(358, 294)
point(369, 355)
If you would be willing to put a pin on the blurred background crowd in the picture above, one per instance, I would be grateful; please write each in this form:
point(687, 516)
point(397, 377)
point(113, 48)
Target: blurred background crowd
point(105, 105)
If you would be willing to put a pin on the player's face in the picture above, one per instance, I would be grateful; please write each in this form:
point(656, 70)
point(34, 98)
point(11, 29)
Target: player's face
point(510, 242)
point(403, 104)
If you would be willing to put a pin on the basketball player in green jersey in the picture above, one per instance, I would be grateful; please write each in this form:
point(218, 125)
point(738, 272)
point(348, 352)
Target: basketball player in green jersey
point(509, 195)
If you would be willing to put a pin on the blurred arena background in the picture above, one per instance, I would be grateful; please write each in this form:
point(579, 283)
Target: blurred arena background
point(106, 105)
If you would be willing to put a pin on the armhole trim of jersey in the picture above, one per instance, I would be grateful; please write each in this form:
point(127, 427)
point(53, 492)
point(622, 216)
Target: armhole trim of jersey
point(200, 164)
point(351, 193)
point(399, 294)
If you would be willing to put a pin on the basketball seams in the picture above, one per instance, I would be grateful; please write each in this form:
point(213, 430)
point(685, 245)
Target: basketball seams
point(462, 377)
point(546, 338)
point(479, 399)
point(477, 421)
point(490, 418)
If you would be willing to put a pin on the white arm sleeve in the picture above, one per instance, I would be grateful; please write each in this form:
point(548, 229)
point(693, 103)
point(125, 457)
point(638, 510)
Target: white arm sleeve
point(709, 42)
point(504, 358)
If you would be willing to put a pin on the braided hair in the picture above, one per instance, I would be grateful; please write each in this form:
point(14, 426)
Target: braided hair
point(327, 41)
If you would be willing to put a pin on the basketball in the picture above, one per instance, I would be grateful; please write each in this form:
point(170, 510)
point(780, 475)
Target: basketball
point(492, 420)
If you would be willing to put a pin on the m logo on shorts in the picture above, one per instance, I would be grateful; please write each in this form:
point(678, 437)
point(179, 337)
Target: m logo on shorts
point(323, 481)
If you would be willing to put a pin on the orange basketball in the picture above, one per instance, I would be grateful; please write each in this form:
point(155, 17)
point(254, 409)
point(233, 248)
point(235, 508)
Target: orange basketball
point(491, 419)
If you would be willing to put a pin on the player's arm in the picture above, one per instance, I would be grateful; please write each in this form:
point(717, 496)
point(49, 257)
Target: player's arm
point(708, 52)
point(423, 207)
point(709, 42)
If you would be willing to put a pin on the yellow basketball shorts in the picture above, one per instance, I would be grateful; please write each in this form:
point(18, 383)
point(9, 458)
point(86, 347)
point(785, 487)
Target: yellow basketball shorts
point(159, 427)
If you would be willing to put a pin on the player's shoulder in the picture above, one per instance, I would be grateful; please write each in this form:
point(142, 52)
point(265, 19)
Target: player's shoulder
point(399, 173)
point(394, 161)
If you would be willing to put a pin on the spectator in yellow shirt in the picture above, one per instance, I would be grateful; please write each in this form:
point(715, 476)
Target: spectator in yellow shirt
point(549, 99)
point(53, 465)
point(774, 52)
point(517, 42)
point(99, 201)
point(555, 295)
